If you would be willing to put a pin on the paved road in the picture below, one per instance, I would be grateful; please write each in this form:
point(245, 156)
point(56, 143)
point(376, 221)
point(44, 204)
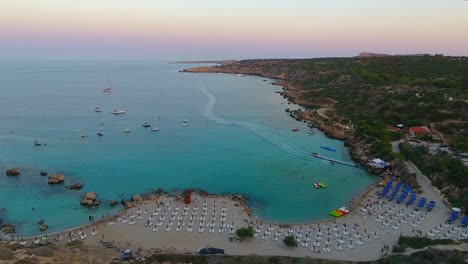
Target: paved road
point(395, 147)
point(430, 192)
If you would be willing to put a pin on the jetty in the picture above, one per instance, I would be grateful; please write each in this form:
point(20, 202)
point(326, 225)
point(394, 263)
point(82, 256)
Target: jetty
point(319, 156)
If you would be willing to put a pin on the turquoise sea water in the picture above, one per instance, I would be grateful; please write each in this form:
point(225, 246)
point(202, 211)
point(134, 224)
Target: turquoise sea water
point(238, 140)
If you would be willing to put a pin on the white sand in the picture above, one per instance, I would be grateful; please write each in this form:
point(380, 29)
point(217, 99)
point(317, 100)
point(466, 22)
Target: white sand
point(138, 235)
point(359, 227)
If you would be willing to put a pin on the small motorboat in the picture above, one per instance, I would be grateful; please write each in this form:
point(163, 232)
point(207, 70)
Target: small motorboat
point(320, 185)
point(83, 136)
point(184, 122)
point(118, 112)
point(127, 130)
point(37, 143)
point(146, 125)
point(100, 133)
point(328, 148)
point(295, 129)
point(98, 109)
point(108, 90)
point(155, 129)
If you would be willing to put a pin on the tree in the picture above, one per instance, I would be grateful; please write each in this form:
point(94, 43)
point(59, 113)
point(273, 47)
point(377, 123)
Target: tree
point(290, 241)
point(244, 232)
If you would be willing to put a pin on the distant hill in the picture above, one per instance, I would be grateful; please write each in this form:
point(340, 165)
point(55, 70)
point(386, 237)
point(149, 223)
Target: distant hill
point(205, 61)
point(379, 55)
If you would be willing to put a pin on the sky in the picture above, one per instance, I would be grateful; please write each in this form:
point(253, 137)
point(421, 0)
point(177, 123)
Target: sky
point(229, 29)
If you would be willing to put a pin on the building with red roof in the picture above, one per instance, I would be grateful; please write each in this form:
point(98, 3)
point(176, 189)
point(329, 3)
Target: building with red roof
point(419, 131)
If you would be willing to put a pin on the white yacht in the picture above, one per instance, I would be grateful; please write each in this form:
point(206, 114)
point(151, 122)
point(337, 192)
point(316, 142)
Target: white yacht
point(119, 112)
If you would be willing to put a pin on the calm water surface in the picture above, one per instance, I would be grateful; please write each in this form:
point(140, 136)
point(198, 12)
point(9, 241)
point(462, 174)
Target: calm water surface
point(238, 140)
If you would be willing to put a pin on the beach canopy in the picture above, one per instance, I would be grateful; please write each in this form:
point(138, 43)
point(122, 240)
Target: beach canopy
point(378, 163)
point(377, 160)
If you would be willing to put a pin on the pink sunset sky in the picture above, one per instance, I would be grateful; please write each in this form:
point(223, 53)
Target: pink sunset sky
point(222, 29)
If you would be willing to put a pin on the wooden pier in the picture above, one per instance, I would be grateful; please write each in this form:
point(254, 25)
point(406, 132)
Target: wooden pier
point(318, 156)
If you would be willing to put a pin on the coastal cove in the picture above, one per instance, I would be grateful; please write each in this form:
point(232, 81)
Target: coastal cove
point(238, 140)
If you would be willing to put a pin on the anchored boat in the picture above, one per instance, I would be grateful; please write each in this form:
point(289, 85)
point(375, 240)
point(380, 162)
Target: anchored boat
point(119, 112)
point(328, 148)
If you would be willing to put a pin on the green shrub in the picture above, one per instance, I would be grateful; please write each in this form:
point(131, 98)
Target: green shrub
point(421, 242)
point(290, 241)
point(245, 232)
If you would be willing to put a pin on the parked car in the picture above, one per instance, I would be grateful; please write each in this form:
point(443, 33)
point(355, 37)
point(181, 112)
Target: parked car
point(127, 255)
point(210, 251)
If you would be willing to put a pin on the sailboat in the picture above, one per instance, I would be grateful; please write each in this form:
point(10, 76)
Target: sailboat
point(108, 89)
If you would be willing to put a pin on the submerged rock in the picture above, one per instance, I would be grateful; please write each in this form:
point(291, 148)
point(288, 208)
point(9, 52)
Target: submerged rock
point(8, 229)
point(113, 203)
point(13, 172)
point(43, 173)
point(76, 186)
point(56, 179)
point(43, 227)
point(41, 221)
point(89, 199)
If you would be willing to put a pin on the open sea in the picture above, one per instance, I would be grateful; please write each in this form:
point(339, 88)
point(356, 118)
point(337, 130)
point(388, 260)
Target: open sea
point(238, 140)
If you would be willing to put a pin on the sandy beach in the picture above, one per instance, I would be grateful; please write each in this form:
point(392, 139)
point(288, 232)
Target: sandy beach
point(166, 225)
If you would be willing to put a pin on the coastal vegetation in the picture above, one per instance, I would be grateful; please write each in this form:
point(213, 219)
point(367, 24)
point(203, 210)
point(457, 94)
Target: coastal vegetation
point(290, 241)
point(422, 242)
point(446, 173)
point(245, 232)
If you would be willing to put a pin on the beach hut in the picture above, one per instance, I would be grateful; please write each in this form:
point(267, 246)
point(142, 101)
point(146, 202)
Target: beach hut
point(187, 196)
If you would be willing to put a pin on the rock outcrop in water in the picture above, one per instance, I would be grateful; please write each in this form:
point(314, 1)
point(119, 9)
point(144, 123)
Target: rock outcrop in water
point(13, 172)
point(76, 186)
point(126, 203)
point(56, 179)
point(89, 199)
point(113, 203)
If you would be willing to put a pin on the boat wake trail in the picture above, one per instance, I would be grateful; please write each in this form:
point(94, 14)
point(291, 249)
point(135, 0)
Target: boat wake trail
point(267, 136)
